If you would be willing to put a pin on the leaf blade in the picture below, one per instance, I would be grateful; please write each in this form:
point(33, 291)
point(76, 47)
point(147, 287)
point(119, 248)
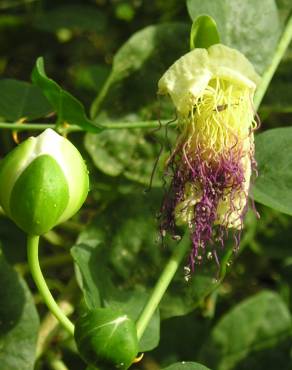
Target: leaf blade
point(67, 107)
point(273, 186)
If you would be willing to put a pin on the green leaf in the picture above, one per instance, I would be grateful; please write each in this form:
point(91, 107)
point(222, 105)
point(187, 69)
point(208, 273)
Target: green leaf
point(31, 103)
point(253, 326)
point(137, 67)
point(144, 45)
point(89, 278)
point(131, 153)
point(238, 28)
point(186, 366)
point(204, 32)
point(128, 230)
point(132, 303)
point(19, 321)
point(67, 107)
point(273, 186)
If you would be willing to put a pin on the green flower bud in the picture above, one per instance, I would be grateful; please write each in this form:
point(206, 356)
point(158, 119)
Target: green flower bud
point(43, 182)
point(106, 339)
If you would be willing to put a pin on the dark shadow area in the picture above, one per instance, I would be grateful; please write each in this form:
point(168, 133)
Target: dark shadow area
point(13, 241)
point(181, 338)
point(267, 358)
point(12, 297)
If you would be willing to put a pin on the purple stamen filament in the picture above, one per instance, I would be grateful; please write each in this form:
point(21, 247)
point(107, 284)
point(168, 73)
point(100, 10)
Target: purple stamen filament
point(219, 177)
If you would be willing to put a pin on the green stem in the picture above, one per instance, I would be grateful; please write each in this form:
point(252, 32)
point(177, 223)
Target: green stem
point(33, 262)
point(281, 49)
point(55, 363)
point(74, 128)
point(100, 97)
point(25, 126)
point(162, 284)
point(49, 327)
point(38, 127)
point(139, 124)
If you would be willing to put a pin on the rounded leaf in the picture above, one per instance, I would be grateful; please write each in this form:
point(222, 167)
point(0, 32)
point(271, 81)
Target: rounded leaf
point(204, 32)
point(106, 339)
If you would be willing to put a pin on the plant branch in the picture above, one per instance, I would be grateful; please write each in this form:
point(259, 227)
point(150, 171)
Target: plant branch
point(139, 124)
point(162, 284)
point(101, 96)
point(75, 128)
point(26, 126)
point(33, 262)
point(268, 74)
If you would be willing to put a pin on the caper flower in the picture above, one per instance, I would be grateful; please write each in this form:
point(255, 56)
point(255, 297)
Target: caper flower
point(211, 165)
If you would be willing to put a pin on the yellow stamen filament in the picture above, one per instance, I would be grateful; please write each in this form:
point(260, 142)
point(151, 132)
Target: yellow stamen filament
point(221, 119)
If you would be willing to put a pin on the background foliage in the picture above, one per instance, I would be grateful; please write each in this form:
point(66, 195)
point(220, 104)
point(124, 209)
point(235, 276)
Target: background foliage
point(109, 55)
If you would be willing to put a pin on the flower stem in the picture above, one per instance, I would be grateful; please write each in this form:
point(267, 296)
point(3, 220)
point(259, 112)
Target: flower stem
point(49, 326)
point(33, 262)
point(268, 74)
point(161, 285)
